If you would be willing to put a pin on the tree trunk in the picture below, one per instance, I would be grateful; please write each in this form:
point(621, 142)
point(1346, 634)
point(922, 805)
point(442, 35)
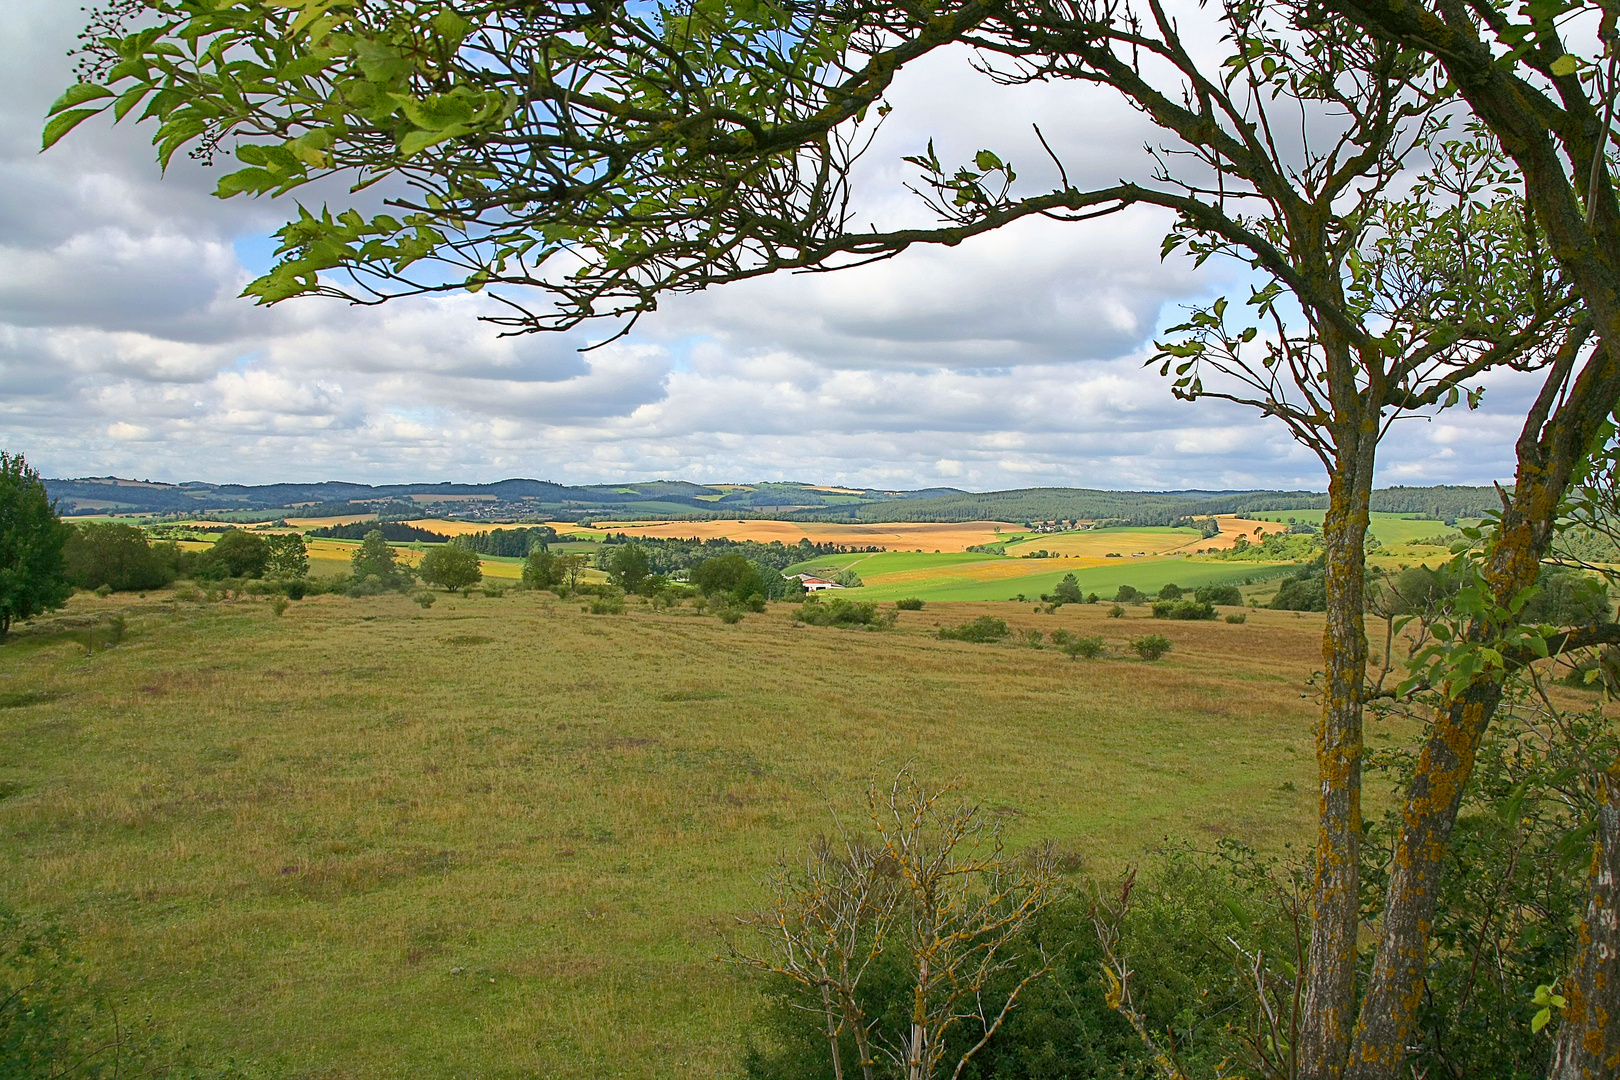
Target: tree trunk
point(1588, 1042)
point(1335, 897)
point(1395, 987)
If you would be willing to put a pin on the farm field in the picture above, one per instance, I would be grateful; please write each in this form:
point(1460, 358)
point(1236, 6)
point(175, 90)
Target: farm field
point(909, 536)
point(965, 577)
point(493, 838)
point(1391, 529)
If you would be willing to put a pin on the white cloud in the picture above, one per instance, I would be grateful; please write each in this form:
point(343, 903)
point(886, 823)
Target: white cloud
point(1013, 359)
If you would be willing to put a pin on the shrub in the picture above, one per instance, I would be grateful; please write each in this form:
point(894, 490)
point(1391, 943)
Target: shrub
point(425, 599)
point(1182, 609)
point(104, 590)
point(1128, 594)
point(728, 615)
point(1033, 639)
point(188, 593)
point(1170, 592)
point(609, 603)
point(1238, 617)
point(910, 603)
point(1151, 646)
point(1116, 612)
point(984, 629)
point(1220, 595)
point(493, 590)
point(842, 612)
point(279, 606)
point(1075, 647)
point(295, 589)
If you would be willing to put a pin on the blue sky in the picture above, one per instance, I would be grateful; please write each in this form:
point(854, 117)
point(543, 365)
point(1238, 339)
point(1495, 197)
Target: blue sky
point(1014, 360)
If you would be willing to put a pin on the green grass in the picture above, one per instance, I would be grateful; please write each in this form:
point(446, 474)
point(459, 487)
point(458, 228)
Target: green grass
point(888, 562)
point(1391, 529)
point(493, 839)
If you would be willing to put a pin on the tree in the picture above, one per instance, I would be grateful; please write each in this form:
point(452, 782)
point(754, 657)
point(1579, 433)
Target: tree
point(374, 558)
point(451, 566)
point(236, 554)
point(118, 556)
point(628, 567)
point(1067, 591)
point(732, 575)
point(288, 556)
point(541, 569)
point(32, 580)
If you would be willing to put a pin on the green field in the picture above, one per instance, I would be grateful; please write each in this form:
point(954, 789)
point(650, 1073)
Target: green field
point(1390, 529)
point(892, 575)
point(494, 838)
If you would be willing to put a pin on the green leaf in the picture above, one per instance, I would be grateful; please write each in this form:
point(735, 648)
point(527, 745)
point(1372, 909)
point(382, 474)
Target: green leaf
point(1540, 1020)
point(986, 161)
point(62, 123)
point(78, 95)
point(1565, 65)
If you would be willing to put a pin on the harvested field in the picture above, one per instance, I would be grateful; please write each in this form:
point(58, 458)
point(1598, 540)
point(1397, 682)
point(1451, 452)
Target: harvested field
point(902, 536)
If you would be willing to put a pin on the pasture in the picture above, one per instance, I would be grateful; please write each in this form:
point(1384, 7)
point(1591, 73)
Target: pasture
point(494, 838)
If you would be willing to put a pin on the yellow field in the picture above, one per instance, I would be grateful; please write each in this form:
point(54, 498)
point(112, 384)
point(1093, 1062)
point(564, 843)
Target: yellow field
point(891, 536)
point(324, 522)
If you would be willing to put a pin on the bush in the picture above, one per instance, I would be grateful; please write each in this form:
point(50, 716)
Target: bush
point(1075, 647)
point(295, 589)
point(1151, 646)
point(1128, 594)
point(1116, 612)
point(609, 602)
point(1238, 618)
point(425, 599)
point(1219, 595)
point(910, 603)
point(1033, 639)
point(983, 630)
point(1182, 609)
point(1170, 592)
point(728, 615)
point(842, 612)
point(279, 606)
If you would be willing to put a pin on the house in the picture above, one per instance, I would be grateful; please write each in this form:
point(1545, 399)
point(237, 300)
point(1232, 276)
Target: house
point(815, 584)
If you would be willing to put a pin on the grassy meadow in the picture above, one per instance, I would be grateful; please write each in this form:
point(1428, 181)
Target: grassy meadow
point(968, 577)
point(494, 838)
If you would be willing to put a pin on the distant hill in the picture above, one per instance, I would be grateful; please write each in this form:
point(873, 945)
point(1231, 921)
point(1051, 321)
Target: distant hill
point(516, 499)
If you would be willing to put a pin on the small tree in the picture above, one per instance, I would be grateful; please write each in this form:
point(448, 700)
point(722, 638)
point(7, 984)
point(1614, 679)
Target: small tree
point(236, 554)
point(541, 569)
point(374, 558)
point(288, 556)
point(938, 890)
point(31, 540)
point(628, 567)
point(1067, 591)
point(451, 565)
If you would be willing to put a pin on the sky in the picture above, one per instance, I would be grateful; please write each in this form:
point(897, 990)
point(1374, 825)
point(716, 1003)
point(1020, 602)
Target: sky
point(1014, 360)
